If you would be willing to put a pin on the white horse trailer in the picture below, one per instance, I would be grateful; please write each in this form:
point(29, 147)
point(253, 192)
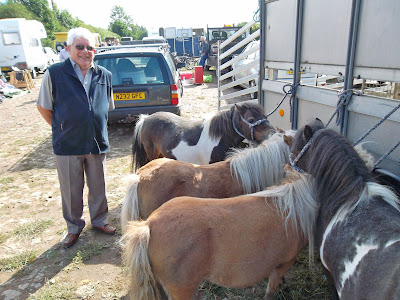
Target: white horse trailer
point(21, 46)
point(352, 47)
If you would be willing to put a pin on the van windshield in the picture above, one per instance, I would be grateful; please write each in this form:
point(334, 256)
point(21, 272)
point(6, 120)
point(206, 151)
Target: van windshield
point(223, 34)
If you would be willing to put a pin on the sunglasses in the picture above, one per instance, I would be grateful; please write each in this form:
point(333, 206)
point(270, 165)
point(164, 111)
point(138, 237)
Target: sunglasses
point(81, 47)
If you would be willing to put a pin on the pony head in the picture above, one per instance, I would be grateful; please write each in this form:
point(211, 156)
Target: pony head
point(251, 118)
point(302, 137)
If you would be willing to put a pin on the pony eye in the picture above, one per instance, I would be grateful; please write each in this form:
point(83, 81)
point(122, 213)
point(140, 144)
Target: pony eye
point(251, 120)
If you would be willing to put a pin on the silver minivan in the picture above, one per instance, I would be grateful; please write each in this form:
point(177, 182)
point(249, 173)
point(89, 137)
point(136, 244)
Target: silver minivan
point(144, 79)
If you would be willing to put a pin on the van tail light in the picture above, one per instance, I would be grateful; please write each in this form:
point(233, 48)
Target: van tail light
point(174, 95)
point(21, 65)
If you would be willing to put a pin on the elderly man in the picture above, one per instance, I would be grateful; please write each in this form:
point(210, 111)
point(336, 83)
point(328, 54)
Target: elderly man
point(74, 99)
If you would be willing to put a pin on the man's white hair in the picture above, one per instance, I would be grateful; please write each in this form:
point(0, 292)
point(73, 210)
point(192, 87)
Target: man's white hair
point(80, 32)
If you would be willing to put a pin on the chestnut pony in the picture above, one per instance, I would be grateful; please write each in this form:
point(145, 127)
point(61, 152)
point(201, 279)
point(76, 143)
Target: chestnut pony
point(232, 242)
point(358, 226)
point(165, 134)
point(245, 171)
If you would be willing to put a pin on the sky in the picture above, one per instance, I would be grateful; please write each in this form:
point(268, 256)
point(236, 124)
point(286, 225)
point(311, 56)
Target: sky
point(153, 14)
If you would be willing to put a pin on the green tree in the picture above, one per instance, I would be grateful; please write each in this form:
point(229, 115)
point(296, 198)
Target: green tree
point(140, 32)
point(118, 13)
point(120, 28)
point(40, 8)
point(122, 24)
point(15, 10)
point(64, 20)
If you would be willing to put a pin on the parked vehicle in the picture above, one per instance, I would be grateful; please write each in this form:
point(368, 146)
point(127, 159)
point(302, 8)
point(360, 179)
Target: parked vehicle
point(248, 71)
point(61, 37)
point(126, 39)
point(52, 56)
point(21, 46)
point(184, 40)
point(154, 40)
point(144, 79)
point(221, 34)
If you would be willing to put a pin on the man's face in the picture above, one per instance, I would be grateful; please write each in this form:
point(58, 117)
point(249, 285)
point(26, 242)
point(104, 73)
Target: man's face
point(84, 57)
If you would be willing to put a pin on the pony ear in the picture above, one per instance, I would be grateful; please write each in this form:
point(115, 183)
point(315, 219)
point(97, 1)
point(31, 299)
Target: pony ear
point(238, 108)
point(308, 132)
point(280, 130)
point(288, 140)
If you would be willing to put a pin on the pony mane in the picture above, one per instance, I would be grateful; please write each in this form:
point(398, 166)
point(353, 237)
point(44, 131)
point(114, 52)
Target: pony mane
point(138, 127)
point(340, 173)
point(221, 124)
point(262, 166)
point(370, 191)
point(365, 156)
point(296, 201)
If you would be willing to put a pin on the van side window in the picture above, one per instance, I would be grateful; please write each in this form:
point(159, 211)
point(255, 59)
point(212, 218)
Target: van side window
point(34, 42)
point(11, 38)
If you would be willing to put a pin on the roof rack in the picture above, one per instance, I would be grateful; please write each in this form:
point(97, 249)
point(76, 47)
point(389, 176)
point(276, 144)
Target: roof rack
point(161, 46)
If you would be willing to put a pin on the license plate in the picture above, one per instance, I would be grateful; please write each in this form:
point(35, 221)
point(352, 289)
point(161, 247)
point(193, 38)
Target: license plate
point(290, 72)
point(5, 68)
point(129, 96)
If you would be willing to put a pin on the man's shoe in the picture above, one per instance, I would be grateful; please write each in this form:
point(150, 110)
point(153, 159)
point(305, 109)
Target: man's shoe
point(107, 229)
point(70, 239)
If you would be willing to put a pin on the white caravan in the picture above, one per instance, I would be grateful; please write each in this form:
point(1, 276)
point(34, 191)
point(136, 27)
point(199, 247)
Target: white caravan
point(20, 45)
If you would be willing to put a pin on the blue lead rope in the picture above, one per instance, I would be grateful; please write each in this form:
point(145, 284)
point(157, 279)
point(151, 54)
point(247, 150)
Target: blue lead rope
point(251, 125)
point(294, 162)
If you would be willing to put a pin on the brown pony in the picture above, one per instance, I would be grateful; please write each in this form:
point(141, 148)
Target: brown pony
point(232, 242)
point(246, 170)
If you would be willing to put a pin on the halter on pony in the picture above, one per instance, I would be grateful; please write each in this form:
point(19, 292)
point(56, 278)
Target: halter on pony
point(251, 125)
point(294, 162)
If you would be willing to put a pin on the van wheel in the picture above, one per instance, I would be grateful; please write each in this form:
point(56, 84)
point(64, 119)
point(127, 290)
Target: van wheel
point(253, 95)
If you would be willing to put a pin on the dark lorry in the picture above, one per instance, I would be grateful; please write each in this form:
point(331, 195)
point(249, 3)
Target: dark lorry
point(215, 34)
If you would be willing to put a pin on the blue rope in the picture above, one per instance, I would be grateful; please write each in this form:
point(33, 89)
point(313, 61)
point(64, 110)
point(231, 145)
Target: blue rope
point(256, 15)
point(376, 125)
point(344, 100)
point(251, 125)
point(294, 162)
point(386, 155)
point(291, 91)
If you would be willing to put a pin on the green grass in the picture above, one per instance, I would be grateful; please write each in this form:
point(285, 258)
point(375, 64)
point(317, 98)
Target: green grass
point(59, 291)
point(18, 261)
point(300, 282)
point(32, 229)
point(6, 180)
point(4, 237)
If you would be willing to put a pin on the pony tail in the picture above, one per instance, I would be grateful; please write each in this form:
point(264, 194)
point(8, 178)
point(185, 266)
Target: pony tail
point(130, 207)
point(135, 244)
point(139, 157)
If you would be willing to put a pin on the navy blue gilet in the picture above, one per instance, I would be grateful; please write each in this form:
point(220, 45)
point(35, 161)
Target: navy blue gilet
point(79, 122)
